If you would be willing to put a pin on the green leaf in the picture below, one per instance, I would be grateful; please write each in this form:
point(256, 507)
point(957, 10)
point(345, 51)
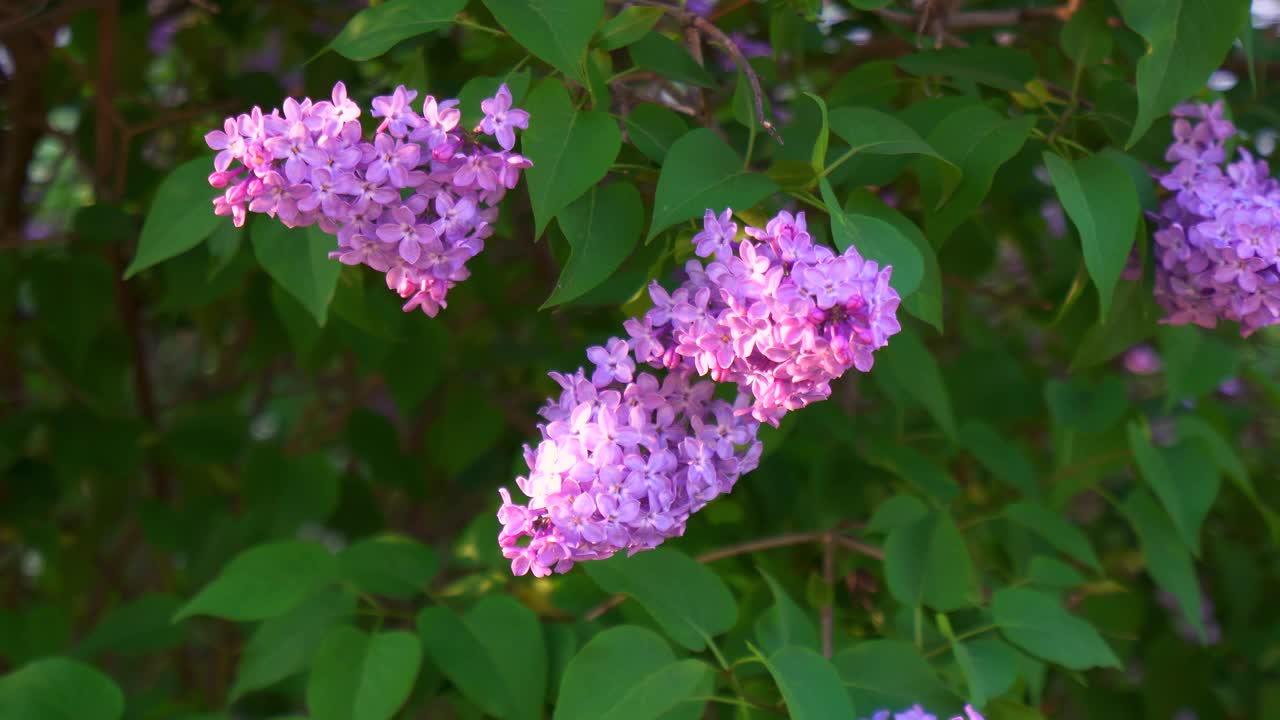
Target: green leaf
point(1050, 573)
point(1038, 624)
point(1193, 428)
point(928, 563)
point(978, 141)
point(390, 565)
point(180, 216)
point(702, 173)
point(916, 469)
point(628, 26)
point(784, 623)
point(1059, 533)
point(875, 239)
point(891, 674)
point(298, 260)
point(135, 628)
point(555, 31)
point(1185, 479)
point(913, 367)
point(997, 67)
point(871, 131)
point(1086, 38)
point(1088, 407)
point(653, 129)
point(373, 31)
point(1186, 41)
point(627, 673)
point(56, 688)
point(282, 647)
point(358, 676)
point(819, 158)
point(898, 511)
point(926, 302)
point(602, 228)
point(1007, 461)
point(810, 685)
point(1195, 362)
point(989, 668)
point(265, 582)
point(1167, 558)
point(571, 150)
point(495, 654)
point(686, 598)
point(1102, 202)
point(669, 60)
point(1132, 319)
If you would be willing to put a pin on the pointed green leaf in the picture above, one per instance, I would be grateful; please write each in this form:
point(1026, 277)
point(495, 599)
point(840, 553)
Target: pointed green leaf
point(555, 31)
point(784, 623)
point(298, 260)
point(180, 216)
point(1186, 41)
point(373, 31)
point(653, 129)
point(702, 173)
point(810, 685)
point(1059, 533)
point(358, 676)
point(1168, 561)
point(1185, 479)
point(875, 239)
point(688, 599)
point(282, 647)
point(627, 673)
point(629, 25)
point(997, 67)
point(1040, 625)
point(1102, 202)
point(909, 362)
point(928, 563)
point(1006, 460)
point(56, 688)
point(390, 565)
point(602, 228)
point(265, 582)
point(891, 674)
point(571, 150)
point(662, 55)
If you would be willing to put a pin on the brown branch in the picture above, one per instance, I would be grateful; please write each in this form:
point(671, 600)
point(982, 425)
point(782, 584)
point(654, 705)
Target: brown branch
point(827, 615)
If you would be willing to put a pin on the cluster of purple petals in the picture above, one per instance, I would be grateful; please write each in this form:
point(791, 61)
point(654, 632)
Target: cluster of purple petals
point(1188, 632)
point(916, 712)
point(416, 202)
point(774, 313)
point(626, 456)
point(624, 460)
point(1217, 249)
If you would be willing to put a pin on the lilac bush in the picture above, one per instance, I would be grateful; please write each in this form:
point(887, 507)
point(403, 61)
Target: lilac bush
point(916, 712)
point(1217, 248)
point(416, 202)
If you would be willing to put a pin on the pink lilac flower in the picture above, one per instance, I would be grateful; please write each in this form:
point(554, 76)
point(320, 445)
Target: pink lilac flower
point(1142, 360)
point(627, 456)
point(415, 202)
point(622, 464)
point(1217, 249)
point(781, 318)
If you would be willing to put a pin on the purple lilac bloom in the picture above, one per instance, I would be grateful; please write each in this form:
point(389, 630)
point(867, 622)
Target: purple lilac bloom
point(626, 456)
point(415, 202)
point(781, 318)
point(1142, 360)
point(1217, 249)
point(917, 712)
point(624, 460)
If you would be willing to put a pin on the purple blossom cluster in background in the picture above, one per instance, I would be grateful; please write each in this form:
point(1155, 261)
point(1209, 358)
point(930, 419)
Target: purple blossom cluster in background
point(916, 712)
point(416, 203)
point(781, 317)
point(626, 457)
point(1188, 632)
point(1218, 246)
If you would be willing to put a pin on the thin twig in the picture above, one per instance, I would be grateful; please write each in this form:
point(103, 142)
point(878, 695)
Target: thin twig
point(982, 19)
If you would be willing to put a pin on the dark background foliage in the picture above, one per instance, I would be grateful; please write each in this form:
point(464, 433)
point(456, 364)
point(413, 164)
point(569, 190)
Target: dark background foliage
point(240, 483)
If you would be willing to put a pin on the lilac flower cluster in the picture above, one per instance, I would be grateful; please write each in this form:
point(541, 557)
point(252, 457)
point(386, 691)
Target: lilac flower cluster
point(1218, 246)
point(781, 317)
point(916, 712)
point(624, 460)
point(416, 203)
